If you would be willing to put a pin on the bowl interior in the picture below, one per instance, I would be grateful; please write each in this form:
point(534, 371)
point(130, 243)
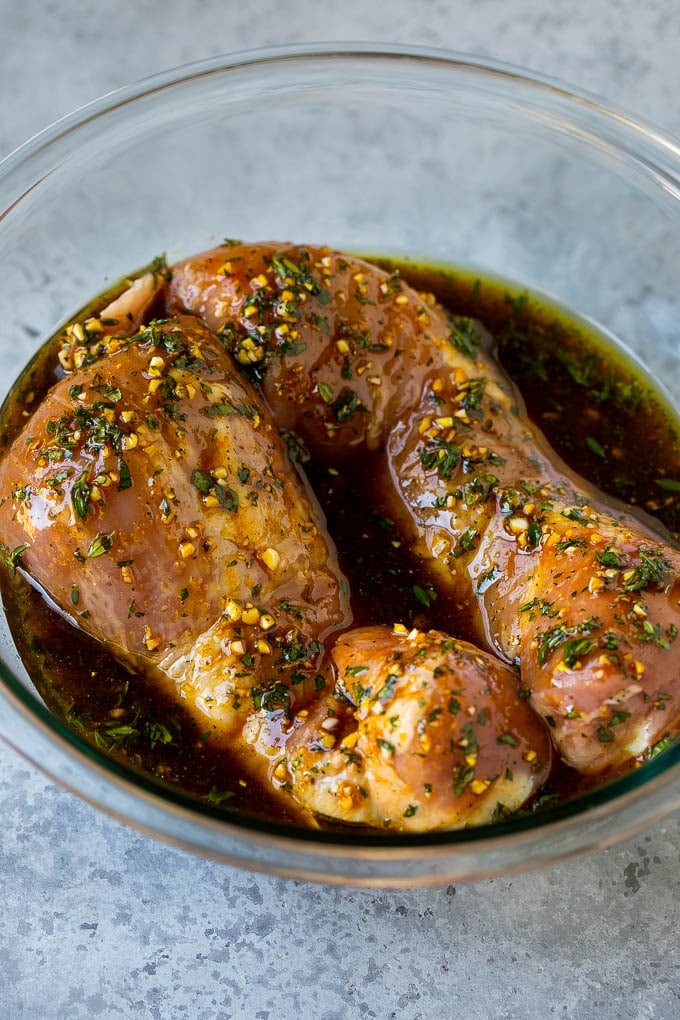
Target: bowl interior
point(419, 154)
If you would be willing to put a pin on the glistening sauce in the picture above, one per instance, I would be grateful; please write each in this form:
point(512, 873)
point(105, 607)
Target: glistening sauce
point(590, 403)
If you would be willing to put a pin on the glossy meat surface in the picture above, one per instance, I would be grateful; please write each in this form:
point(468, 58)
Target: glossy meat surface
point(429, 735)
point(160, 511)
point(151, 497)
point(579, 591)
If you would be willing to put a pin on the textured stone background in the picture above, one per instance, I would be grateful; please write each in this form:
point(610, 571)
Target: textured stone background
point(96, 920)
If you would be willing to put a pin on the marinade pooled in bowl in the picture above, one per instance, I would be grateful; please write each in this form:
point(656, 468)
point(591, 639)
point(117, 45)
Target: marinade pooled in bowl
point(590, 401)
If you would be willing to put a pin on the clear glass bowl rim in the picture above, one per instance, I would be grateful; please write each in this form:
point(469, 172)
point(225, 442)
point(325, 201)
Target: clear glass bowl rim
point(658, 155)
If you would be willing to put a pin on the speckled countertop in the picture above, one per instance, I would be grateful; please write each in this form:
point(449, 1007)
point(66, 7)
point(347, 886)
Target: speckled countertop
point(97, 920)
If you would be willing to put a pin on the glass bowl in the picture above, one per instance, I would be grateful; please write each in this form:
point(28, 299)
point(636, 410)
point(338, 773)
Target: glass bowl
point(388, 150)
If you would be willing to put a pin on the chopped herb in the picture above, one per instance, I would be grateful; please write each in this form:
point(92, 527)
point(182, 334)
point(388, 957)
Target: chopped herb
point(24, 493)
point(321, 322)
point(571, 543)
point(440, 454)
point(464, 337)
point(652, 569)
point(227, 498)
point(573, 514)
point(595, 447)
point(609, 557)
point(271, 699)
point(81, 491)
point(544, 607)
point(551, 639)
point(426, 596)
point(466, 542)
point(534, 534)
point(218, 796)
point(575, 649)
point(387, 689)
point(225, 409)
point(470, 740)
point(101, 544)
point(158, 733)
point(202, 481)
point(346, 405)
point(658, 747)
point(487, 579)
point(124, 476)
point(610, 641)
point(462, 777)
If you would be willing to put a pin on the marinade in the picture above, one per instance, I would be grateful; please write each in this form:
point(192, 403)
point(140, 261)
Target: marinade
point(598, 412)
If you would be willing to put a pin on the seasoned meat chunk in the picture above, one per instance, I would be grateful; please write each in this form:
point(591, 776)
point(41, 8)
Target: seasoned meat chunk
point(572, 586)
point(425, 732)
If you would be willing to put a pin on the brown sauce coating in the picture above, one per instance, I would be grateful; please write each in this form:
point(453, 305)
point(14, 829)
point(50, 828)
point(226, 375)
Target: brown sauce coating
point(589, 403)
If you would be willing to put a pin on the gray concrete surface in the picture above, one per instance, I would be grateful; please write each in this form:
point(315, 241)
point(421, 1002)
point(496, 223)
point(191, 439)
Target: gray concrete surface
point(99, 921)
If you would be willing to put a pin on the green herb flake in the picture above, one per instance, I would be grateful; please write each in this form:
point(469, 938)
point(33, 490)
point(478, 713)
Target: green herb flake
point(227, 498)
point(487, 579)
point(462, 777)
point(346, 405)
point(466, 543)
point(534, 534)
point(572, 513)
point(595, 447)
point(321, 323)
point(426, 596)
point(202, 481)
point(80, 497)
point(556, 636)
point(442, 455)
point(464, 337)
point(218, 796)
point(576, 649)
point(325, 392)
point(454, 706)
point(507, 738)
point(101, 544)
point(609, 557)
point(12, 557)
point(651, 570)
point(124, 476)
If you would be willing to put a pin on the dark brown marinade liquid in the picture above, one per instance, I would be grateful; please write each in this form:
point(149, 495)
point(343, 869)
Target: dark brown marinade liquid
point(592, 405)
